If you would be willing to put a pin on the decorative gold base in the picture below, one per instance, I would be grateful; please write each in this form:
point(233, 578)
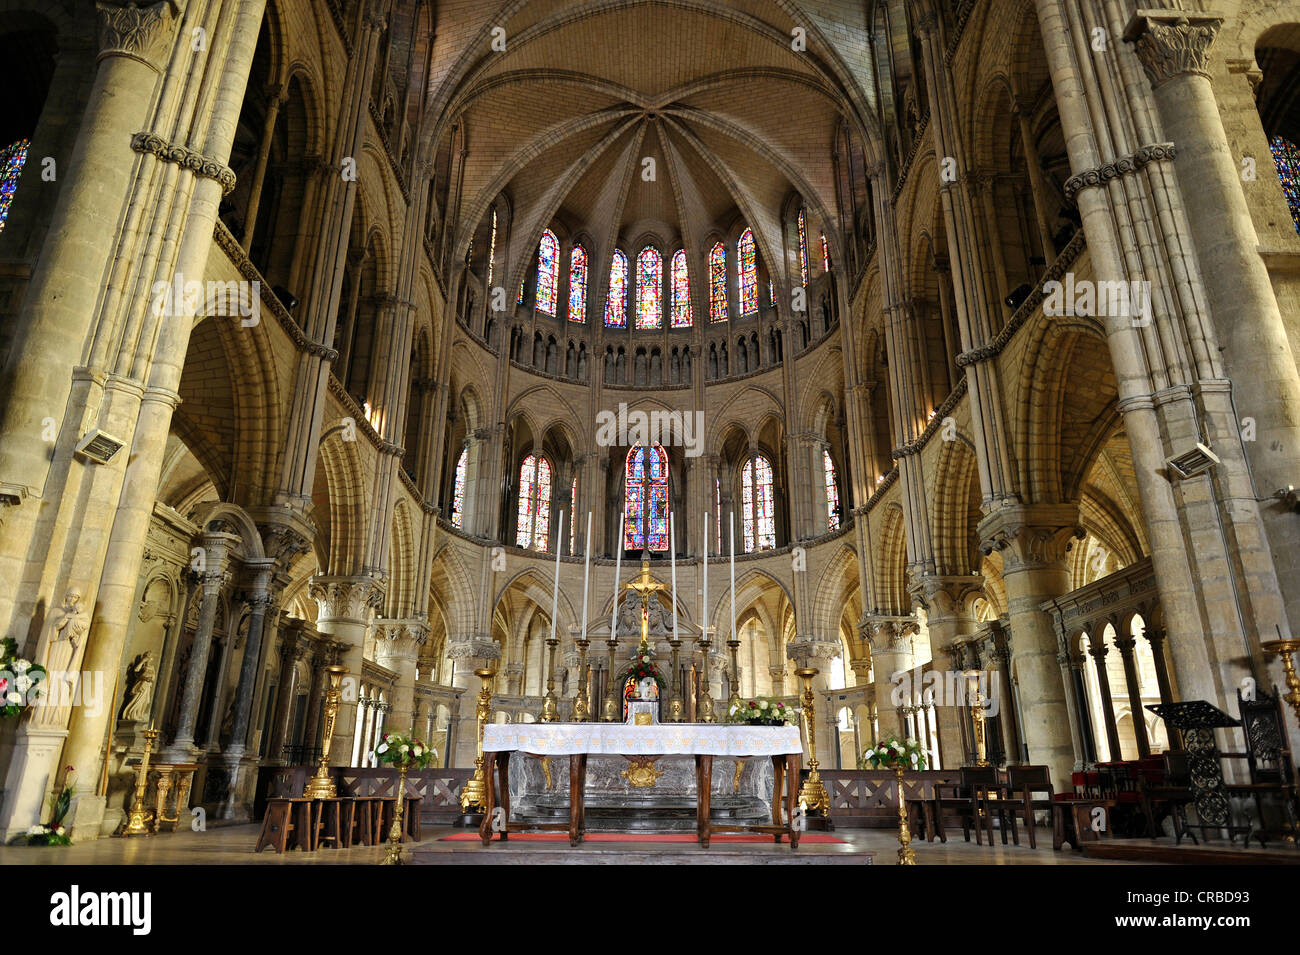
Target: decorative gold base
point(813, 795)
point(675, 710)
point(473, 795)
point(641, 771)
point(609, 711)
point(550, 709)
point(706, 710)
point(320, 786)
point(138, 823)
point(394, 856)
point(906, 855)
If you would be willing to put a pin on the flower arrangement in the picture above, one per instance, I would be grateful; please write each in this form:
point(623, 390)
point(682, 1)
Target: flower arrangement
point(640, 668)
point(53, 833)
point(891, 752)
point(763, 711)
point(20, 679)
point(404, 752)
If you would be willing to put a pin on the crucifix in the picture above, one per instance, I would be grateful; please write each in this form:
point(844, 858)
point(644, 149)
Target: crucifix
point(644, 585)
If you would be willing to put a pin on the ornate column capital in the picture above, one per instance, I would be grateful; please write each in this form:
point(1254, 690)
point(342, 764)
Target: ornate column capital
point(806, 651)
point(347, 598)
point(1171, 43)
point(1030, 536)
point(889, 634)
point(137, 31)
point(947, 595)
point(474, 646)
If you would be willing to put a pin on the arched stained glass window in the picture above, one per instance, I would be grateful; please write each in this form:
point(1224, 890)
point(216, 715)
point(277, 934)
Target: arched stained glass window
point(520, 299)
point(1286, 157)
point(492, 249)
point(832, 492)
point(747, 264)
point(771, 293)
point(803, 247)
point(573, 518)
point(756, 504)
point(646, 499)
point(682, 317)
point(826, 254)
point(718, 283)
point(578, 284)
point(548, 271)
point(12, 158)
point(534, 512)
point(649, 288)
point(616, 301)
point(458, 490)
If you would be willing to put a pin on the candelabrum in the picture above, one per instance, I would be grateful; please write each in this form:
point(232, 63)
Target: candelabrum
point(610, 707)
point(474, 793)
point(734, 646)
point(550, 707)
point(581, 709)
point(706, 700)
point(906, 854)
point(1283, 649)
point(675, 706)
point(977, 721)
point(812, 794)
point(321, 786)
point(137, 823)
point(394, 856)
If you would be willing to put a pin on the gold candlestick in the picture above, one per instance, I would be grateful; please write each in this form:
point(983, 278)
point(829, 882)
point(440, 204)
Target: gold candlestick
point(1283, 649)
point(394, 856)
point(706, 713)
point(675, 706)
point(138, 821)
point(550, 707)
point(474, 792)
point(906, 854)
point(609, 711)
point(733, 645)
point(321, 786)
point(581, 709)
point(977, 721)
point(812, 793)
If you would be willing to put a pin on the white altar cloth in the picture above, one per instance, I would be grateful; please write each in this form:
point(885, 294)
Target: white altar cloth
point(621, 739)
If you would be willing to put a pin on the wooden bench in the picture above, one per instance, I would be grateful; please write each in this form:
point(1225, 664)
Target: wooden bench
point(287, 824)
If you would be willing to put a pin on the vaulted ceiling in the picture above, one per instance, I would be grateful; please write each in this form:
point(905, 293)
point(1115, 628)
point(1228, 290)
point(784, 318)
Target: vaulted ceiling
point(624, 118)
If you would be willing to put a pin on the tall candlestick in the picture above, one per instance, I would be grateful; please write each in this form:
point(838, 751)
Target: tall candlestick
point(704, 597)
point(672, 556)
point(618, 563)
point(555, 592)
point(586, 574)
point(731, 531)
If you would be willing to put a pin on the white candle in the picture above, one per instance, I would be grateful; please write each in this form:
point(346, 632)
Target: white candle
point(618, 563)
point(555, 593)
point(586, 574)
point(672, 556)
point(731, 533)
point(704, 599)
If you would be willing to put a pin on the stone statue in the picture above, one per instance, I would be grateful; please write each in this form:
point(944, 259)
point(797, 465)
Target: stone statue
point(629, 619)
point(139, 688)
point(64, 634)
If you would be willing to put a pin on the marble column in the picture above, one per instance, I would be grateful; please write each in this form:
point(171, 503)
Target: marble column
point(1098, 650)
point(262, 599)
point(347, 606)
point(1125, 647)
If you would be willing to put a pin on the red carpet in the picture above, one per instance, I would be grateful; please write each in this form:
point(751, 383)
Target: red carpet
point(640, 837)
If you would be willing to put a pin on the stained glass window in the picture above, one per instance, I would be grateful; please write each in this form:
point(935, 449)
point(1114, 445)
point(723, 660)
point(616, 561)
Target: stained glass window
point(649, 288)
point(682, 317)
point(548, 271)
point(520, 299)
point(616, 301)
point(832, 492)
point(492, 248)
point(748, 267)
point(803, 247)
point(534, 512)
point(826, 254)
point(1286, 157)
point(756, 504)
point(718, 284)
point(12, 158)
point(771, 293)
point(458, 490)
point(578, 284)
point(646, 499)
point(573, 518)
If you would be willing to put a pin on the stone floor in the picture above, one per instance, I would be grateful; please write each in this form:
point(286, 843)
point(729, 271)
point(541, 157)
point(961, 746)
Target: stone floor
point(227, 845)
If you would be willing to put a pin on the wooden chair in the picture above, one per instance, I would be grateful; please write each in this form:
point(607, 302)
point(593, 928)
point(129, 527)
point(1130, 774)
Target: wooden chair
point(1030, 789)
point(327, 822)
point(1170, 789)
point(964, 802)
point(287, 824)
point(1269, 760)
point(363, 821)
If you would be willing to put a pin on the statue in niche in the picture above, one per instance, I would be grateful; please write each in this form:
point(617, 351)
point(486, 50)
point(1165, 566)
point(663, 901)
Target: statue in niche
point(60, 648)
point(139, 688)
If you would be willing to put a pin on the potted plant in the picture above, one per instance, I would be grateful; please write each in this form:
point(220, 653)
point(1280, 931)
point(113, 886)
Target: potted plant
point(53, 833)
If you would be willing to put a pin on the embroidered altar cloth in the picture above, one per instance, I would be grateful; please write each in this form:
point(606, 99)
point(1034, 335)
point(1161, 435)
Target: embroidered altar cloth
point(621, 739)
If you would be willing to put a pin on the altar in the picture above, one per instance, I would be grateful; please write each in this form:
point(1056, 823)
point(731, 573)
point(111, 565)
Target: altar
point(628, 764)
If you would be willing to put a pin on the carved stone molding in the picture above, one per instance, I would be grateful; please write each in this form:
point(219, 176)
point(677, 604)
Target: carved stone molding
point(1030, 537)
point(473, 647)
point(806, 651)
point(1170, 43)
point(948, 595)
point(346, 598)
point(409, 633)
point(140, 32)
point(889, 634)
point(1124, 166)
point(196, 163)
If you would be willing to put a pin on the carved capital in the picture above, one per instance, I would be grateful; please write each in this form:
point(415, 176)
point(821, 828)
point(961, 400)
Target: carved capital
point(137, 31)
point(346, 598)
point(1029, 537)
point(947, 596)
point(1171, 43)
point(473, 647)
point(196, 163)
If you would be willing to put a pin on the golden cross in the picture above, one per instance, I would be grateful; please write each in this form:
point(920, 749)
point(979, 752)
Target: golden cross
point(644, 586)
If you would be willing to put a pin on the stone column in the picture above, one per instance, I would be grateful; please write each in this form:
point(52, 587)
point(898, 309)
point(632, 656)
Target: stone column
point(212, 579)
point(1156, 637)
point(998, 651)
point(293, 647)
point(892, 659)
point(948, 600)
point(1125, 647)
point(262, 598)
point(468, 652)
point(1098, 651)
point(277, 96)
point(397, 648)
point(1033, 543)
point(346, 608)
